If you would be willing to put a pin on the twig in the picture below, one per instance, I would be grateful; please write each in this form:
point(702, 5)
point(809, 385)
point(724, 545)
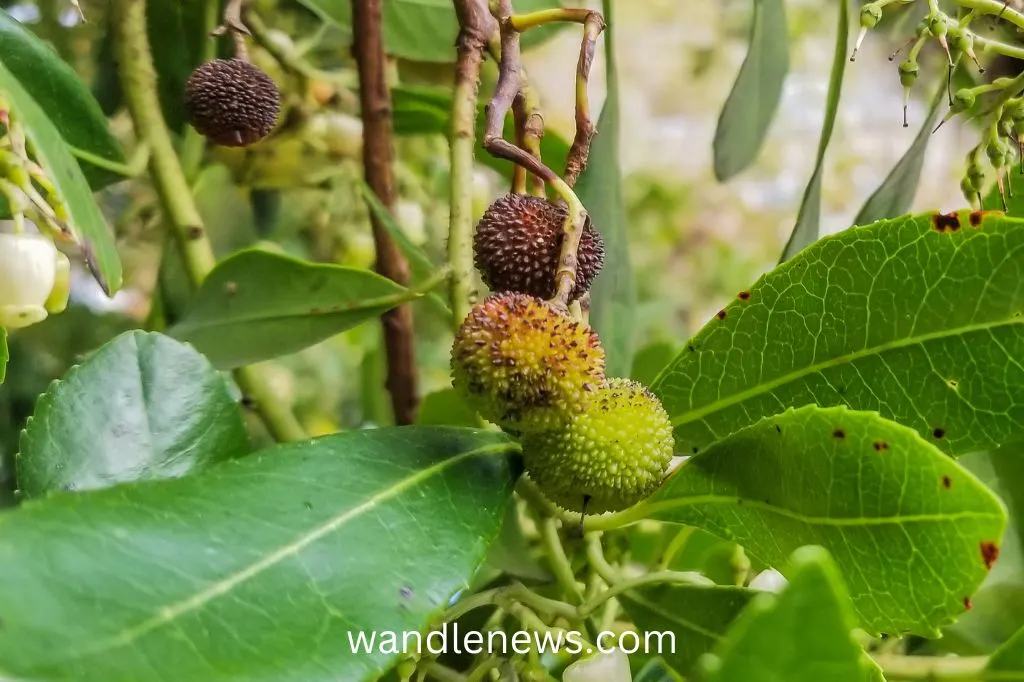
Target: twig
point(526, 104)
point(375, 101)
point(138, 80)
point(931, 668)
point(233, 24)
point(476, 25)
point(579, 152)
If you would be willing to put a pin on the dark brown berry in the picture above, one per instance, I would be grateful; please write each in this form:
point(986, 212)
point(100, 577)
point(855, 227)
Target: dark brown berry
point(518, 242)
point(231, 102)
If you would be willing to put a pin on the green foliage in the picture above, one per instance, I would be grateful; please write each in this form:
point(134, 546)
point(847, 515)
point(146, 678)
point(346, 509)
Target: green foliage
point(747, 114)
point(141, 407)
point(1008, 662)
point(194, 570)
point(884, 317)
point(257, 305)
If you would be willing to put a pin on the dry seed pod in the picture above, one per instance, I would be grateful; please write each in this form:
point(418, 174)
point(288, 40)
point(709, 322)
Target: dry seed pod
point(232, 102)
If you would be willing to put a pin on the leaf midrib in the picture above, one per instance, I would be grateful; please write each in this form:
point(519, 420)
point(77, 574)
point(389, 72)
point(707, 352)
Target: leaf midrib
point(767, 387)
point(650, 509)
point(168, 613)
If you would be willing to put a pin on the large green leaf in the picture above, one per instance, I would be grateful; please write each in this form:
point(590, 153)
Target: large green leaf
point(425, 110)
point(260, 569)
point(802, 635)
point(424, 30)
point(918, 318)
point(86, 221)
point(808, 220)
point(176, 30)
point(895, 195)
point(613, 296)
point(257, 305)
point(751, 106)
point(1007, 663)
point(58, 90)
point(912, 532)
point(697, 616)
point(143, 406)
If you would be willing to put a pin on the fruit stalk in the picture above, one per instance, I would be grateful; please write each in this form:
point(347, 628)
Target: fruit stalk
point(476, 25)
point(378, 150)
point(579, 152)
point(138, 80)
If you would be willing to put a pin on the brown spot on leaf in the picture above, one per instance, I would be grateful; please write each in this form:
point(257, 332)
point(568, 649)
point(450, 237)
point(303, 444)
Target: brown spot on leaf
point(977, 217)
point(946, 222)
point(406, 592)
point(939, 433)
point(947, 482)
point(967, 604)
point(721, 314)
point(989, 553)
point(881, 445)
point(744, 295)
point(839, 434)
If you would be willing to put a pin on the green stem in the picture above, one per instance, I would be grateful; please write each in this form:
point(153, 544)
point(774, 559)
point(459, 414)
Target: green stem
point(931, 669)
point(675, 577)
point(524, 22)
point(135, 166)
point(443, 673)
point(499, 595)
point(598, 562)
point(675, 546)
point(138, 80)
point(558, 560)
point(996, 7)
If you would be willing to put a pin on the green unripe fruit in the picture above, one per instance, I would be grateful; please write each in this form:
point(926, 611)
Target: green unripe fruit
point(609, 456)
point(524, 365)
point(936, 25)
point(870, 15)
point(909, 70)
point(963, 99)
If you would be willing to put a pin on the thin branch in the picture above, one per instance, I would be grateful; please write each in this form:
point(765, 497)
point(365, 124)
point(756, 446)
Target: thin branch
point(375, 100)
point(233, 24)
point(579, 152)
point(138, 80)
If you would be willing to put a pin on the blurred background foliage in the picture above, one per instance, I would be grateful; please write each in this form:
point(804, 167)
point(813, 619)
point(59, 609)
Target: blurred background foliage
point(694, 242)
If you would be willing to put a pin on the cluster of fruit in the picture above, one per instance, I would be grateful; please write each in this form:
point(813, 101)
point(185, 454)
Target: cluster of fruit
point(592, 444)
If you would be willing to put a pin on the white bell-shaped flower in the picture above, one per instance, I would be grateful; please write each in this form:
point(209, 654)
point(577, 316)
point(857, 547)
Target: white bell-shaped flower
point(35, 279)
point(612, 666)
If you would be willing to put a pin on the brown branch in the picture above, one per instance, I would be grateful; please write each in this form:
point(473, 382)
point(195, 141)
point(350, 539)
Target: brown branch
point(233, 24)
point(378, 152)
point(579, 152)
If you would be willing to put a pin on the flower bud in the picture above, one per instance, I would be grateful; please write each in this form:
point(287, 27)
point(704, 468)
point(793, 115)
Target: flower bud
point(909, 70)
point(964, 99)
point(936, 25)
point(870, 15)
point(35, 279)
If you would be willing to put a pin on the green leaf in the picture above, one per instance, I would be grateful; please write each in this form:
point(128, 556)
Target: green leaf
point(426, 110)
point(445, 408)
point(62, 95)
point(424, 30)
point(751, 106)
point(143, 406)
point(651, 359)
point(657, 670)
point(87, 222)
point(909, 317)
point(420, 265)
point(1007, 663)
point(698, 616)
point(613, 295)
point(257, 305)
point(808, 220)
point(895, 195)
point(177, 33)
point(261, 568)
point(913, 532)
point(802, 635)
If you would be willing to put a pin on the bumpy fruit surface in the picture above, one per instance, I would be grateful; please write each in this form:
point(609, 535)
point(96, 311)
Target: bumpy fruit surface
point(522, 364)
point(231, 102)
point(518, 242)
point(611, 455)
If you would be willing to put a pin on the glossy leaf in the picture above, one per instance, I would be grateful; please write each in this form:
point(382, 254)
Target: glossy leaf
point(261, 568)
point(177, 34)
point(911, 317)
point(62, 95)
point(912, 532)
point(419, 263)
point(423, 30)
point(698, 617)
point(750, 108)
point(257, 305)
point(895, 195)
point(802, 635)
point(424, 110)
point(86, 221)
point(808, 221)
point(1007, 663)
point(613, 294)
point(143, 406)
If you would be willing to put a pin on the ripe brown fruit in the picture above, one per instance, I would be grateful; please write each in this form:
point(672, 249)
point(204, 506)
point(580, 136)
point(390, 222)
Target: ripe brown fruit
point(518, 242)
point(231, 102)
point(524, 365)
